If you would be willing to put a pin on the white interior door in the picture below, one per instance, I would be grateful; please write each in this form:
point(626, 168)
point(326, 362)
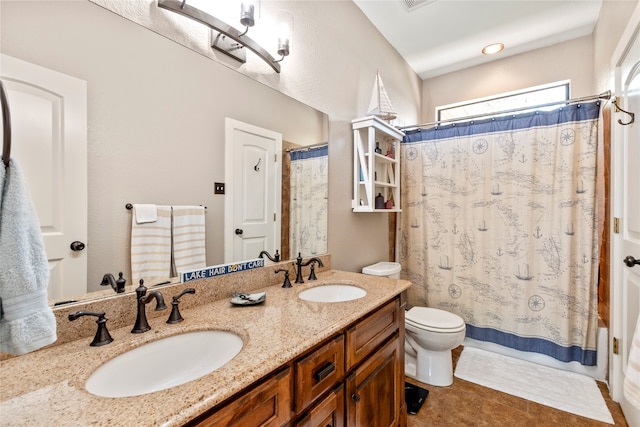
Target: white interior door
point(253, 171)
point(49, 142)
point(625, 169)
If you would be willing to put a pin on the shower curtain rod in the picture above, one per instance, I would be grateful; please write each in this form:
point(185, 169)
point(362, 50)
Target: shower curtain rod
point(307, 147)
point(604, 95)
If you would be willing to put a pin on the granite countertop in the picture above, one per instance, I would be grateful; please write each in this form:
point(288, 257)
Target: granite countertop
point(46, 387)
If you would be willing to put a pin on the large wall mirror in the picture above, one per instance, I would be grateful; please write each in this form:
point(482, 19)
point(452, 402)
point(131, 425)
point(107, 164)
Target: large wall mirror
point(155, 119)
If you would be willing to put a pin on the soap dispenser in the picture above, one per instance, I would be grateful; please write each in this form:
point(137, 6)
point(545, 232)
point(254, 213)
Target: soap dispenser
point(380, 201)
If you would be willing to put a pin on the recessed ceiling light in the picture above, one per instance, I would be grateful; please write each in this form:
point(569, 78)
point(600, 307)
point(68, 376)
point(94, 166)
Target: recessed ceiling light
point(492, 48)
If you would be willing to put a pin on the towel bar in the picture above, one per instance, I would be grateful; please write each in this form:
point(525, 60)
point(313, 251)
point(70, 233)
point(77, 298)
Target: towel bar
point(129, 206)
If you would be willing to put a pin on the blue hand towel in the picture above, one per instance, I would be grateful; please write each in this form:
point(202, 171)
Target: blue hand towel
point(27, 323)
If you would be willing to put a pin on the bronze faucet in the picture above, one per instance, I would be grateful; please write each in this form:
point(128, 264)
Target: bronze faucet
point(142, 325)
point(300, 264)
point(274, 258)
point(117, 285)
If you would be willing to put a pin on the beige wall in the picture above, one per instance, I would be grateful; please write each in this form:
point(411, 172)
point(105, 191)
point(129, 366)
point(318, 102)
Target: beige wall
point(338, 79)
point(585, 61)
point(335, 54)
point(614, 16)
point(571, 60)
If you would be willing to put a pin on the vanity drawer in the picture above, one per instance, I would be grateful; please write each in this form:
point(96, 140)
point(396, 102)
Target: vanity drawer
point(328, 412)
point(318, 372)
point(266, 405)
point(372, 331)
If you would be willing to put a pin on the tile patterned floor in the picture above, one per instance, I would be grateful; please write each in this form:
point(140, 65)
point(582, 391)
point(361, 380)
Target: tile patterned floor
point(467, 404)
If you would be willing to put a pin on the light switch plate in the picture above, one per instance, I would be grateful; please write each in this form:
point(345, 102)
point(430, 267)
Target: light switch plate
point(218, 188)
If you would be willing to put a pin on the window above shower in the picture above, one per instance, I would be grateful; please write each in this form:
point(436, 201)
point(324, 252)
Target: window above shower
point(537, 95)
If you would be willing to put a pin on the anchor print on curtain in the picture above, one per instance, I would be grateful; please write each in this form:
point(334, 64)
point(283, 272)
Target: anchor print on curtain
point(499, 226)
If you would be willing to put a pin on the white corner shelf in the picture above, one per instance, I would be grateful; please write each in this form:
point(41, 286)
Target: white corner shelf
point(375, 172)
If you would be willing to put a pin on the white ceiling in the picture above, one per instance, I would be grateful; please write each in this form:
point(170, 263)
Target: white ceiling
point(440, 36)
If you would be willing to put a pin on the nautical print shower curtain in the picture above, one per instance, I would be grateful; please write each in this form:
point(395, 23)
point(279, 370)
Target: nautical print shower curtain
point(309, 195)
point(499, 227)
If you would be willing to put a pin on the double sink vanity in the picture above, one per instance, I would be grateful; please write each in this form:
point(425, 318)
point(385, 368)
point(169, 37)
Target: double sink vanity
point(326, 352)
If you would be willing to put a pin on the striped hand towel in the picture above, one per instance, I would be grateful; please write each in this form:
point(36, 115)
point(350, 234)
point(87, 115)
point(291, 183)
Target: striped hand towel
point(189, 250)
point(151, 246)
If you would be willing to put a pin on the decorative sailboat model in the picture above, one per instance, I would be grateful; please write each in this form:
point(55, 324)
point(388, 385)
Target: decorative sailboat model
point(380, 104)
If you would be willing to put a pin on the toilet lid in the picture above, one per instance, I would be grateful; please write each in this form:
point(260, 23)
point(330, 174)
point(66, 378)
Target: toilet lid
point(434, 318)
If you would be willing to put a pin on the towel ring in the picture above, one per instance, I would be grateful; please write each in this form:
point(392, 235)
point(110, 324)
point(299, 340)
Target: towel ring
point(6, 126)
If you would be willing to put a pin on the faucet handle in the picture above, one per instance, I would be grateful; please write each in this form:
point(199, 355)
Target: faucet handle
point(120, 283)
point(312, 275)
point(141, 290)
point(287, 282)
point(175, 316)
point(102, 336)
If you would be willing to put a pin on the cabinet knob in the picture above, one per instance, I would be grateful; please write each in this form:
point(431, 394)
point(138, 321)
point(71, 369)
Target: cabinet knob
point(239, 231)
point(355, 397)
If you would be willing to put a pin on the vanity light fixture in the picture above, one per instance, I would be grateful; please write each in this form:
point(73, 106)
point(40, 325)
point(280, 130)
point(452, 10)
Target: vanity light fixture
point(228, 39)
point(492, 49)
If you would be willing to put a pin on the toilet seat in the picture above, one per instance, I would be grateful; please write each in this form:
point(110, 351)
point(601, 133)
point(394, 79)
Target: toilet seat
point(434, 320)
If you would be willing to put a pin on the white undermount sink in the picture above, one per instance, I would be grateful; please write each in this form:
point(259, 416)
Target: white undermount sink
point(332, 293)
point(164, 363)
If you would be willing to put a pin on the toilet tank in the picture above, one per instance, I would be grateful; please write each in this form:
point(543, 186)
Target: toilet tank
point(386, 269)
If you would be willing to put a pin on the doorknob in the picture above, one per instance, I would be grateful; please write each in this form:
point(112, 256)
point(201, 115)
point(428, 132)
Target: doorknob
point(631, 261)
point(76, 246)
point(239, 231)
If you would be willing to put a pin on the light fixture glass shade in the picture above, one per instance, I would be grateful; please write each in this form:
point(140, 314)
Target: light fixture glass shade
point(247, 13)
point(284, 32)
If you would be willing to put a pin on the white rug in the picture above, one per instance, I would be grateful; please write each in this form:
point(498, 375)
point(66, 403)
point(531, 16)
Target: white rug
point(567, 391)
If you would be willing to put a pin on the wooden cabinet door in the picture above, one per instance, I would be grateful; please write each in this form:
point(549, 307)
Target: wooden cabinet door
point(329, 412)
point(266, 405)
point(375, 390)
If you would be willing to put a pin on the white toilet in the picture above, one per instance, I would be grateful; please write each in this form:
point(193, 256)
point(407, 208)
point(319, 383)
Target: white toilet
point(430, 335)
